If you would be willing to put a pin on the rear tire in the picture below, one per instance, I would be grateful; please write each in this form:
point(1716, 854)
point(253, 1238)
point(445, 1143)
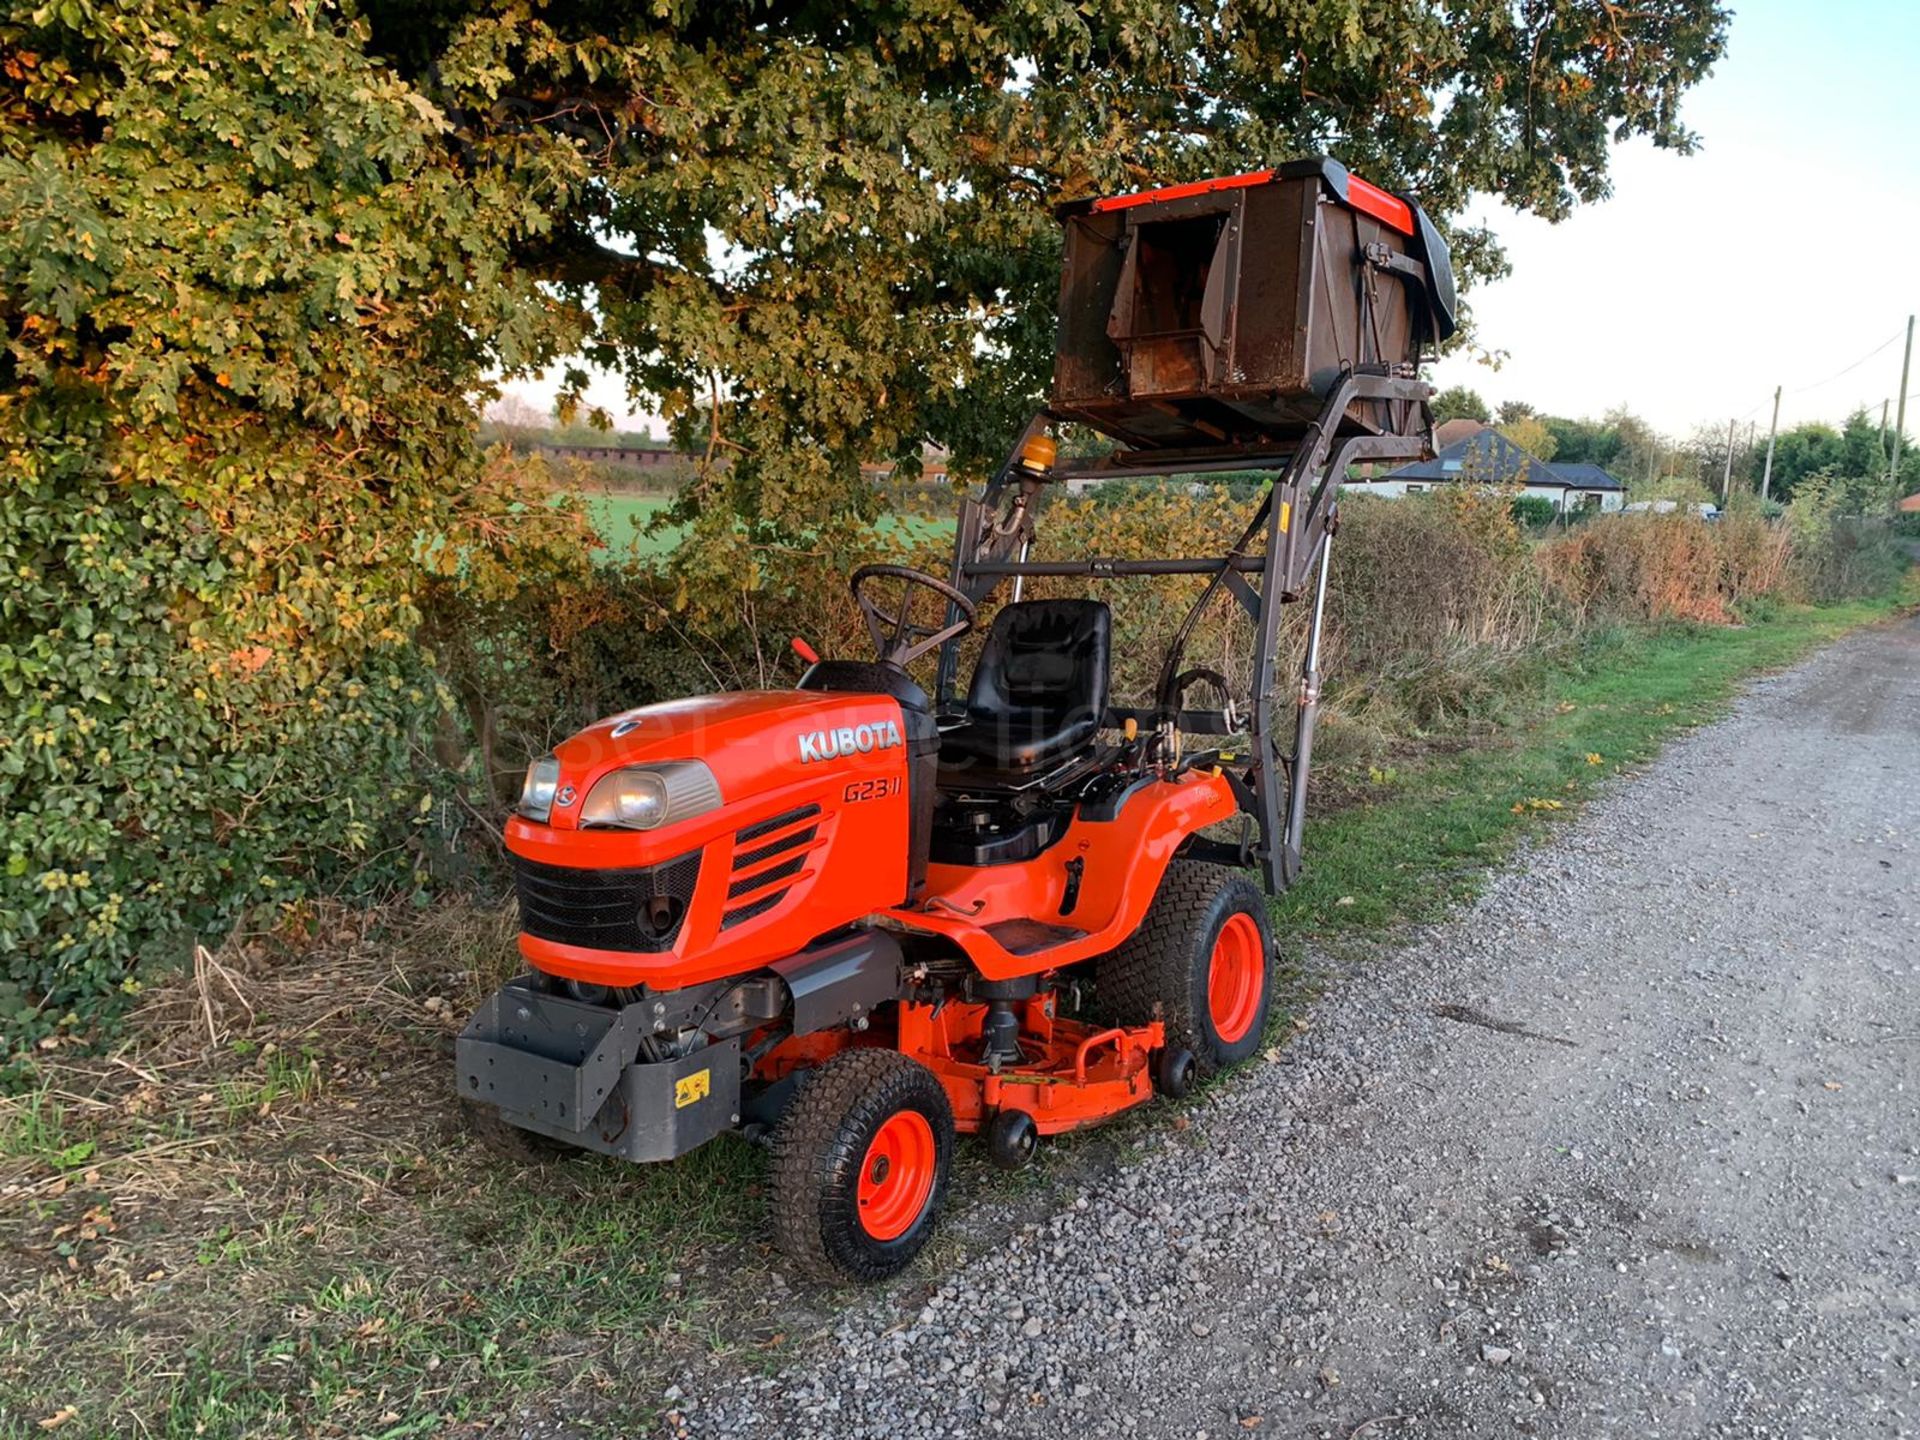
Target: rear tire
point(1201, 962)
point(860, 1165)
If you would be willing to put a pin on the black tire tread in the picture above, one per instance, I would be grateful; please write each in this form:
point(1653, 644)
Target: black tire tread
point(1147, 976)
point(801, 1177)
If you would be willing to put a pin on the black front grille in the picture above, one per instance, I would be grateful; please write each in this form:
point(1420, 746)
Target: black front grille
point(751, 909)
point(640, 909)
point(784, 870)
point(774, 847)
point(767, 827)
point(746, 858)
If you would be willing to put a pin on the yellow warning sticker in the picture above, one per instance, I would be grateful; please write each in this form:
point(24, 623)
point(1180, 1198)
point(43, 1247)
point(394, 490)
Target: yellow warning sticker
point(1286, 516)
point(696, 1086)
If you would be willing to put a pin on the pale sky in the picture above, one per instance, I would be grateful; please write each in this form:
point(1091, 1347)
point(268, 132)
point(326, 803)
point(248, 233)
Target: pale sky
point(1781, 253)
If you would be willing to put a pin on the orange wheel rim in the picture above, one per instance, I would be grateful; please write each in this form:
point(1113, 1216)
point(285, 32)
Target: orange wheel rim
point(1235, 977)
point(896, 1177)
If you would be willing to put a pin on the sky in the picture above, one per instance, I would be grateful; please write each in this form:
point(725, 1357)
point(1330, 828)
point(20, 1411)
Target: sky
point(1781, 253)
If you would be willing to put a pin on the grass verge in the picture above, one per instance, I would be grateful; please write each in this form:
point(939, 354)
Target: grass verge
point(1427, 833)
point(264, 1216)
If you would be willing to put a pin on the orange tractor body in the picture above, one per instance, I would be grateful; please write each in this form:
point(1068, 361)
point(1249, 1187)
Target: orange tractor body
point(857, 918)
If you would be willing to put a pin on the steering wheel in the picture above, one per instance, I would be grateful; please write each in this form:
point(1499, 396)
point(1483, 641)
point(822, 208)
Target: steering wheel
point(898, 639)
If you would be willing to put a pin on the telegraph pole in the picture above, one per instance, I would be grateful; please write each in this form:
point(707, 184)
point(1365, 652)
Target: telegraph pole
point(1773, 431)
point(1900, 410)
point(1726, 475)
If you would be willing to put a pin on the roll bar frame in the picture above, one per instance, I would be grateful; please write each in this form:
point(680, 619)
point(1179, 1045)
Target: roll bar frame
point(1297, 514)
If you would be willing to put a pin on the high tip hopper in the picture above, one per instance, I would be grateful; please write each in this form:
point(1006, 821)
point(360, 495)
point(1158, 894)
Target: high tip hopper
point(1225, 312)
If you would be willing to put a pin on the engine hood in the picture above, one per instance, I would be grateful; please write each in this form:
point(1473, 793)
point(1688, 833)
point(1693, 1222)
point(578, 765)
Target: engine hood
point(754, 741)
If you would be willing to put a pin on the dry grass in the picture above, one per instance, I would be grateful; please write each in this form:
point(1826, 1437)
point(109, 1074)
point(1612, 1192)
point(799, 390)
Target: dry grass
point(1668, 567)
point(293, 1230)
point(262, 1214)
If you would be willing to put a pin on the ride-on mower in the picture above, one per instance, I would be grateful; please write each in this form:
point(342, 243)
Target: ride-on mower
point(851, 919)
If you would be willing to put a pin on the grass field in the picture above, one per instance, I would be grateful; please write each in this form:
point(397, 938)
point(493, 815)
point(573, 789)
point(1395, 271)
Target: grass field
point(265, 1214)
point(622, 521)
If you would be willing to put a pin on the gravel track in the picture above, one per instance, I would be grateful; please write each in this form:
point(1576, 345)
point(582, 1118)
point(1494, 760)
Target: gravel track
point(1625, 1149)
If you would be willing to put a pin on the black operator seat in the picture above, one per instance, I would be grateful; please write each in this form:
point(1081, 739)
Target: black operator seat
point(1039, 692)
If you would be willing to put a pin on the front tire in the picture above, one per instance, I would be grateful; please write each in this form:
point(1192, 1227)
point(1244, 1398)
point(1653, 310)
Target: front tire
point(860, 1166)
point(1201, 962)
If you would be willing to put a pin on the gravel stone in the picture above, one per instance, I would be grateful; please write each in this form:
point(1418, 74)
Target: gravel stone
point(1667, 1193)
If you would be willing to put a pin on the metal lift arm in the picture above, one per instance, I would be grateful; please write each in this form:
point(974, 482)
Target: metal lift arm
point(1297, 515)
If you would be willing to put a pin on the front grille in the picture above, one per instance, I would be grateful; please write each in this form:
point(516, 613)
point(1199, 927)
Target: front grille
point(772, 848)
point(748, 911)
point(784, 870)
point(640, 909)
point(767, 827)
point(744, 859)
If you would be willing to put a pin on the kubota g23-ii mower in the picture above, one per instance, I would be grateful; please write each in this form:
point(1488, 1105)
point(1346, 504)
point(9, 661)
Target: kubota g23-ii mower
point(846, 917)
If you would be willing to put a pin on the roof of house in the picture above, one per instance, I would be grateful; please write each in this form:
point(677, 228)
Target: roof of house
point(1584, 476)
point(1910, 504)
point(1493, 459)
point(1447, 432)
point(1486, 456)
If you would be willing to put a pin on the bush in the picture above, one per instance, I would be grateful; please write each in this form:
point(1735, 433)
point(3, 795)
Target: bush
point(1755, 555)
point(234, 409)
point(526, 669)
point(1853, 558)
point(1666, 567)
point(1845, 544)
point(1536, 512)
point(1424, 576)
point(1436, 612)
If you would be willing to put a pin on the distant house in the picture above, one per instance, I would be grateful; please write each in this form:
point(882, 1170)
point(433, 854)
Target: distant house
point(1451, 432)
point(1589, 487)
point(1486, 457)
point(1910, 505)
point(933, 467)
point(622, 457)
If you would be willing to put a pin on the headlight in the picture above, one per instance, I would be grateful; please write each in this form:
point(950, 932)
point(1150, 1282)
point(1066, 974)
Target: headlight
point(536, 795)
point(645, 797)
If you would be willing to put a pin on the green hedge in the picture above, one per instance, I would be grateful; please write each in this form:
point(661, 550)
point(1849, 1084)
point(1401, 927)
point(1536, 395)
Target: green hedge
point(1535, 511)
point(247, 305)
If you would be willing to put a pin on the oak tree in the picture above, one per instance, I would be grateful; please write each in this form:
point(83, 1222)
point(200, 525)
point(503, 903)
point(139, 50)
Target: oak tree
point(258, 263)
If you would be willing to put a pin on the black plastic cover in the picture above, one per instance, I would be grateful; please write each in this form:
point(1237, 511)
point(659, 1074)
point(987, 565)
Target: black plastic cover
point(865, 677)
point(1430, 249)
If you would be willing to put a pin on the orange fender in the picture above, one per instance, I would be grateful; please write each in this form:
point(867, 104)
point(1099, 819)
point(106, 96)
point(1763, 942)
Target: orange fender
point(1123, 860)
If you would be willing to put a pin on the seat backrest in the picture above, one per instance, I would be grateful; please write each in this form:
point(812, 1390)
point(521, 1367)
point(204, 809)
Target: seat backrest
point(1046, 656)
